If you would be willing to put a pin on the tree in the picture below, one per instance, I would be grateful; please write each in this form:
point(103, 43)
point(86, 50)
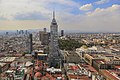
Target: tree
point(69, 44)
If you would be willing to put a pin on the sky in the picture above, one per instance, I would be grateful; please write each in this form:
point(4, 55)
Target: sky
point(71, 15)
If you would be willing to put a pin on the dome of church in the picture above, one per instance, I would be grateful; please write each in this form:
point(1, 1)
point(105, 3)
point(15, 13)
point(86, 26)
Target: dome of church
point(38, 74)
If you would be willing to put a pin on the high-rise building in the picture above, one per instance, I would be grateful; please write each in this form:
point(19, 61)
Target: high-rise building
point(54, 28)
point(54, 54)
point(62, 32)
point(7, 33)
point(17, 32)
point(31, 44)
point(44, 37)
point(44, 29)
point(26, 32)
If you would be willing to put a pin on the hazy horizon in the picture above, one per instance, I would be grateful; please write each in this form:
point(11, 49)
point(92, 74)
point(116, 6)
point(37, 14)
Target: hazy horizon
point(65, 31)
point(71, 15)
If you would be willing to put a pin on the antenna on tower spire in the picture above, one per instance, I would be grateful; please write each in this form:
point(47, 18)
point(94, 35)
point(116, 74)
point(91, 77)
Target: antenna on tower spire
point(54, 13)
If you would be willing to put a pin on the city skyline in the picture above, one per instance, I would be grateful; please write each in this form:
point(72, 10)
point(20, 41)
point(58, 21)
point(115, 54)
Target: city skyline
point(88, 50)
point(72, 15)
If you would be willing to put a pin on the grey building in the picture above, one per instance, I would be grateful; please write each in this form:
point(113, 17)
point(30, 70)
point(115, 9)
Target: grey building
point(44, 37)
point(62, 32)
point(54, 54)
point(31, 43)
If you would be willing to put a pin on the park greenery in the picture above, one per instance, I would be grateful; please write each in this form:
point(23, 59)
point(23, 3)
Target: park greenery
point(69, 44)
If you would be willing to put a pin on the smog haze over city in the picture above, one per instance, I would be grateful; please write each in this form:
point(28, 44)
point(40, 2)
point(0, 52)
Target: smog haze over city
point(72, 15)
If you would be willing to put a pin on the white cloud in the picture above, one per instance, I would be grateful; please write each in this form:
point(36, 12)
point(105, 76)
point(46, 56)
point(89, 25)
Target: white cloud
point(101, 1)
point(113, 10)
point(99, 20)
point(86, 7)
point(9, 9)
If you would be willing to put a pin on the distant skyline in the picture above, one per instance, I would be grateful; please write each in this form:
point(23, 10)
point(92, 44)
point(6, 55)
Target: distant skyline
point(71, 15)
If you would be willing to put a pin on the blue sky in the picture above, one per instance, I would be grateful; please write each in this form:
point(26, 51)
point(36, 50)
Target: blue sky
point(72, 15)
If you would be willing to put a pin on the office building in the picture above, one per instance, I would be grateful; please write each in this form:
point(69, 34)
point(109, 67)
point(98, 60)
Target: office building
point(62, 32)
point(31, 44)
point(54, 54)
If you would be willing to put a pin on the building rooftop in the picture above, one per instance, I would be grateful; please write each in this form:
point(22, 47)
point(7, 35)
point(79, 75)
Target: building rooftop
point(117, 67)
point(2, 64)
point(89, 68)
point(7, 59)
point(76, 77)
point(101, 61)
point(110, 75)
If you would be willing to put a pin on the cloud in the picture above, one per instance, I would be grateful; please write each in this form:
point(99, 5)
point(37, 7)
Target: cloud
point(9, 9)
point(86, 7)
point(99, 20)
point(110, 11)
point(30, 14)
point(102, 1)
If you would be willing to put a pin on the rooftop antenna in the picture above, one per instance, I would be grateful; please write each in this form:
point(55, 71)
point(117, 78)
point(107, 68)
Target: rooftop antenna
point(54, 13)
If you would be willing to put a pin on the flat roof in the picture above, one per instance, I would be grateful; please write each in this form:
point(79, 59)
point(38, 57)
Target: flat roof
point(100, 61)
point(7, 59)
point(89, 67)
point(42, 54)
point(108, 74)
point(2, 64)
point(81, 77)
point(118, 67)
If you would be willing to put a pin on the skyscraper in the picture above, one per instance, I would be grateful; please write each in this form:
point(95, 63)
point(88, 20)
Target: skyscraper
point(54, 28)
point(54, 54)
point(44, 37)
point(62, 32)
point(31, 44)
point(44, 29)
